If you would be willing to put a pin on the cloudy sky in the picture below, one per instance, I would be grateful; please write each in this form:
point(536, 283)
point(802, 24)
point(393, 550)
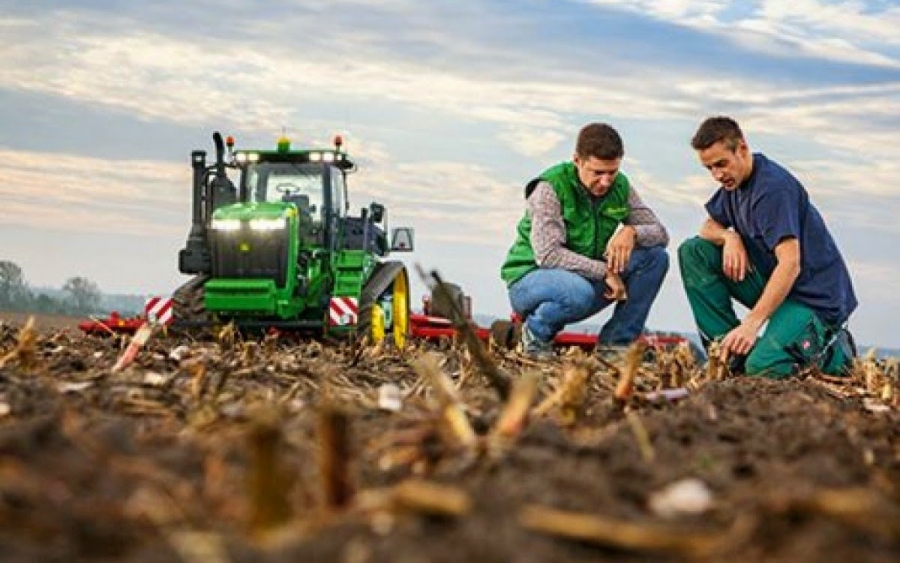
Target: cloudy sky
point(449, 108)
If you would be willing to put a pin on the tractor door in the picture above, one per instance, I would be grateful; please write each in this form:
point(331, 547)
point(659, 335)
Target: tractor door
point(336, 205)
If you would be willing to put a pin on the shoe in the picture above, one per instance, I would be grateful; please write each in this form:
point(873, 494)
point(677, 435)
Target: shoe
point(535, 348)
point(611, 353)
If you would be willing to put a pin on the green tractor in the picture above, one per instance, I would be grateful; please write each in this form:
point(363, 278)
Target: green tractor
point(281, 250)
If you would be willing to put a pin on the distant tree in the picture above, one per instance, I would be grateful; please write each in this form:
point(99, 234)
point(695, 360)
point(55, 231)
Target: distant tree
point(14, 292)
point(43, 303)
point(82, 294)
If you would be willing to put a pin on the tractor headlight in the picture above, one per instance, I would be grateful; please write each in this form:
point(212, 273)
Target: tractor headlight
point(226, 224)
point(267, 224)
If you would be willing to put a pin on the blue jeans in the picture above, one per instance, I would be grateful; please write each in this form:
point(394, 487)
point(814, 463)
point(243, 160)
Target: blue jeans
point(549, 299)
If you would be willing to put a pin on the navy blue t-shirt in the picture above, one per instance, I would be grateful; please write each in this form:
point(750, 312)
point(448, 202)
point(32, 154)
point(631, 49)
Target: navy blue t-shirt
point(772, 205)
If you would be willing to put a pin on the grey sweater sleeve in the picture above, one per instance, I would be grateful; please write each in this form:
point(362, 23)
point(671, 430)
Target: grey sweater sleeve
point(650, 231)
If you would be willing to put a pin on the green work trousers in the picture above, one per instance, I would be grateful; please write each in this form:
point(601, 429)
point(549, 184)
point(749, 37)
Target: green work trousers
point(795, 336)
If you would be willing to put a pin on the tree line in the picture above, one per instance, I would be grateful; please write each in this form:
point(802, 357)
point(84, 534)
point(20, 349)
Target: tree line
point(79, 295)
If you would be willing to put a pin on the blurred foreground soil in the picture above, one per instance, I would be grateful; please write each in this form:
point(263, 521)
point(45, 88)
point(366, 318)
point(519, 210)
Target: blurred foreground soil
point(231, 449)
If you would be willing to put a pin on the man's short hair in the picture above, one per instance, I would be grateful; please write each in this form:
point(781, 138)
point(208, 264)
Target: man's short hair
point(715, 129)
point(600, 141)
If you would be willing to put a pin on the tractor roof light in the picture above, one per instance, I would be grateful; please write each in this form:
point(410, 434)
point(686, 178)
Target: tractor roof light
point(253, 157)
point(241, 157)
point(328, 156)
point(284, 144)
point(315, 156)
point(229, 141)
point(338, 142)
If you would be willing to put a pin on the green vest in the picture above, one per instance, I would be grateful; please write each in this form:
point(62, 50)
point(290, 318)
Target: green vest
point(590, 222)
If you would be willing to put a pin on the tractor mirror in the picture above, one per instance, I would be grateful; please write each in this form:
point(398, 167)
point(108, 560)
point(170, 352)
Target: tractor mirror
point(402, 239)
point(376, 210)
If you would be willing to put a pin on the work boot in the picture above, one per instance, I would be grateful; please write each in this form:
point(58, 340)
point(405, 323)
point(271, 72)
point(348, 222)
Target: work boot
point(611, 353)
point(533, 347)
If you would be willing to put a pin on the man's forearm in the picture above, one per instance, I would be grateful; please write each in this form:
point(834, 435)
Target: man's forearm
point(715, 232)
point(776, 291)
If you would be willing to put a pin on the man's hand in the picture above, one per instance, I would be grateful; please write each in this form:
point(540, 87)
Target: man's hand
point(740, 340)
point(618, 250)
point(615, 287)
point(734, 257)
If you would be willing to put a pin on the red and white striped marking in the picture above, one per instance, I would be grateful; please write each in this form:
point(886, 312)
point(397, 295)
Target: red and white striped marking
point(158, 310)
point(343, 311)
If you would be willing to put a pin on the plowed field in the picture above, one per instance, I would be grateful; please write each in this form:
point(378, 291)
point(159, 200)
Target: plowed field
point(232, 449)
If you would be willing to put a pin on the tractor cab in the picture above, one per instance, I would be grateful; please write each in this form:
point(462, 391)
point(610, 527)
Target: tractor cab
point(313, 183)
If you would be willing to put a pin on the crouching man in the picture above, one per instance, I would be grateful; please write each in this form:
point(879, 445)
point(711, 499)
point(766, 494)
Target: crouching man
point(586, 240)
point(765, 246)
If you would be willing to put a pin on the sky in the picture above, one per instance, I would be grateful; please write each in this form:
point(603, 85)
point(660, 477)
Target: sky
point(449, 108)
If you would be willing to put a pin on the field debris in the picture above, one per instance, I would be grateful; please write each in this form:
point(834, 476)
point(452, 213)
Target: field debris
point(24, 351)
point(240, 449)
point(137, 342)
point(686, 496)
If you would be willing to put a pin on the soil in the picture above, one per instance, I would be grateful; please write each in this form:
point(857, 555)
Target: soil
point(229, 450)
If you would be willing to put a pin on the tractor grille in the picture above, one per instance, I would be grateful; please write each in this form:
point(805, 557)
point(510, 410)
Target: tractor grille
point(248, 254)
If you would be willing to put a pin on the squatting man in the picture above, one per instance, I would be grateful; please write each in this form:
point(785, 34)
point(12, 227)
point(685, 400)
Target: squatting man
point(587, 240)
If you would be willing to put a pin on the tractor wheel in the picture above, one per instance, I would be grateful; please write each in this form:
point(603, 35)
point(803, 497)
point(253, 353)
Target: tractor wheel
point(400, 302)
point(371, 323)
point(386, 318)
point(188, 301)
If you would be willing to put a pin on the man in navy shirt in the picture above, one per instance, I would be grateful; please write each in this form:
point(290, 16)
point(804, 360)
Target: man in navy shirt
point(766, 246)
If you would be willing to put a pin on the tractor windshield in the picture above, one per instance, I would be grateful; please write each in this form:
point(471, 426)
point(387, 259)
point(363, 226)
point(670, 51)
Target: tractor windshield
point(300, 184)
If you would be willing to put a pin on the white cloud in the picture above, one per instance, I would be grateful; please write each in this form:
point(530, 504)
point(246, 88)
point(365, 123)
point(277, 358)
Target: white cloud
point(839, 31)
point(91, 194)
point(810, 18)
point(677, 10)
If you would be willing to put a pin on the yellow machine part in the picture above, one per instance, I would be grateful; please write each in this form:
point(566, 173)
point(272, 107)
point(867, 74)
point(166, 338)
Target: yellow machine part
point(399, 326)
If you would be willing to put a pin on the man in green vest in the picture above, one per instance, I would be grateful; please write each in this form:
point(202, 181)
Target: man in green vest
point(587, 240)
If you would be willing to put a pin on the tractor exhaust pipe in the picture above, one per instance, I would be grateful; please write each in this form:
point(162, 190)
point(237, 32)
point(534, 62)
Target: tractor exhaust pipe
point(198, 163)
point(220, 155)
point(220, 191)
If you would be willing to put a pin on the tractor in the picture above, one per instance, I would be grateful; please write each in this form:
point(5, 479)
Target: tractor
point(281, 250)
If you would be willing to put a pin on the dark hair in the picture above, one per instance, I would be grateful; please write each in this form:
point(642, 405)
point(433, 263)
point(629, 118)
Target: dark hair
point(600, 141)
point(715, 129)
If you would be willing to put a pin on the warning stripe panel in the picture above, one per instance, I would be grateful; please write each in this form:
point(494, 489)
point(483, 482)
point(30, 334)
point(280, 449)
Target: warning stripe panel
point(343, 311)
point(159, 309)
